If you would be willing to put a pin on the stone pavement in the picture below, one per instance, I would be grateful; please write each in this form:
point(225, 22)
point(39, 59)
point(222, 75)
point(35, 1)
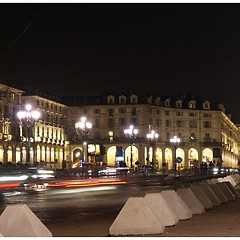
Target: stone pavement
point(221, 221)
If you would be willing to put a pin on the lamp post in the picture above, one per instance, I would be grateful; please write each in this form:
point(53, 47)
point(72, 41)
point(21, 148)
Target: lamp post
point(83, 128)
point(28, 118)
point(153, 136)
point(132, 133)
point(175, 141)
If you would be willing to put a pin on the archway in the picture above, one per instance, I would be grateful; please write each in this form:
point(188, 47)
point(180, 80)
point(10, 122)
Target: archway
point(18, 154)
point(9, 154)
point(77, 156)
point(180, 153)
point(193, 157)
point(111, 156)
point(168, 158)
point(207, 155)
point(128, 156)
point(1, 154)
point(159, 157)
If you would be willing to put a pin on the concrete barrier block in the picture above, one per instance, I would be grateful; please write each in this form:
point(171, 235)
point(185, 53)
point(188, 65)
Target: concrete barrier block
point(220, 180)
point(178, 206)
point(160, 209)
point(237, 176)
point(190, 199)
point(233, 189)
point(211, 195)
point(135, 218)
point(229, 195)
point(19, 221)
point(214, 180)
point(209, 181)
point(202, 197)
point(230, 179)
point(219, 193)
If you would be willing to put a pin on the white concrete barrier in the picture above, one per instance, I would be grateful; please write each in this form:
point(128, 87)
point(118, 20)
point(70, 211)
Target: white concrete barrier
point(209, 181)
point(219, 193)
point(202, 197)
point(214, 180)
point(178, 206)
point(229, 195)
point(220, 179)
point(160, 209)
point(190, 199)
point(230, 179)
point(211, 195)
point(135, 218)
point(232, 189)
point(237, 176)
point(234, 176)
point(19, 221)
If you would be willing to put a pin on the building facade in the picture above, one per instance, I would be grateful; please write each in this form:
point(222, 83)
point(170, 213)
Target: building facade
point(204, 129)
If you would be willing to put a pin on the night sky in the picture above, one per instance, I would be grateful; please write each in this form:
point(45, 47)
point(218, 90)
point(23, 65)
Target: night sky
point(87, 49)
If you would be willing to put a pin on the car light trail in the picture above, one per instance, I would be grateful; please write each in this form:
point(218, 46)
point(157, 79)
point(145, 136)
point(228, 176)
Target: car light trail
point(85, 184)
point(9, 185)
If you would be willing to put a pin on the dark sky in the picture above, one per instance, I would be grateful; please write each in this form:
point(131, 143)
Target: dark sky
point(86, 49)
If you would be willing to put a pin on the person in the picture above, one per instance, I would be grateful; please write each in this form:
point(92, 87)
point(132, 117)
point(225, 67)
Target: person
point(205, 167)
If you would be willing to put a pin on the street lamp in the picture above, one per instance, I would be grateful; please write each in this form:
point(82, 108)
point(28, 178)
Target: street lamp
point(175, 141)
point(132, 133)
point(83, 128)
point(28, 118)
point(153, 136)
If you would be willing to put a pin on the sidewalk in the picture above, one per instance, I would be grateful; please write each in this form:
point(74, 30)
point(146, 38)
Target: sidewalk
point(221, 221)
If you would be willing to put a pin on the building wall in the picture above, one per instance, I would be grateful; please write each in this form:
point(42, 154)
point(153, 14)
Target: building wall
point(205, 131)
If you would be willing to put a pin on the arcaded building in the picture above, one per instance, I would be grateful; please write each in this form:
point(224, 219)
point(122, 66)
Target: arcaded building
point(204, 130)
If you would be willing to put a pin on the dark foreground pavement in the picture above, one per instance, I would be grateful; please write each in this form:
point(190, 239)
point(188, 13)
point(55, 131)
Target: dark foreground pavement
point(221, 221)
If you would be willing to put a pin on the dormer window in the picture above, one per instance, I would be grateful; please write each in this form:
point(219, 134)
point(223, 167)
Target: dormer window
point(157, 101)
point(192, 104)
point(167, 103)
point(179, 104)
point(133, 99)
point(122, 99)
point(206, 105)
point(110, 99)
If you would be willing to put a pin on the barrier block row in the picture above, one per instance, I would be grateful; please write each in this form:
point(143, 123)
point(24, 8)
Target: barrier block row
point(168, 207)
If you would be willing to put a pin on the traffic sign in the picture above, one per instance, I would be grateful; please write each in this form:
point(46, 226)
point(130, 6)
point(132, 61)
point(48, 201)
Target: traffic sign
point(178, 160)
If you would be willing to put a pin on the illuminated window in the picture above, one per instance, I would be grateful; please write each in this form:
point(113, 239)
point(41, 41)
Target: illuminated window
point(192, 104)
